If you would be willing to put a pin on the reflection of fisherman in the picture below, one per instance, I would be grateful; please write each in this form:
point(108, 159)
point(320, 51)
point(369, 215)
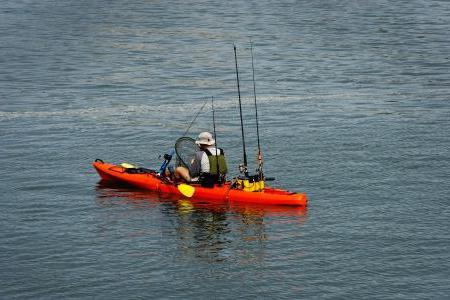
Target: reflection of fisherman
point(209, 163)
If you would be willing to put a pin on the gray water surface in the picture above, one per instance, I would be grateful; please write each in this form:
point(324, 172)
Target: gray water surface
point(354, 111)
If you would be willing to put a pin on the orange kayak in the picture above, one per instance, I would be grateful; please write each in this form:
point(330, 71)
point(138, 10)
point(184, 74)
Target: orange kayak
point(150, 180)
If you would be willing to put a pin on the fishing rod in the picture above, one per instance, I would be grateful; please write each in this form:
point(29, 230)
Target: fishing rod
point(168, 156)
point(215, 136)
point(195, 118)
point(260, 162)
point(243, 168)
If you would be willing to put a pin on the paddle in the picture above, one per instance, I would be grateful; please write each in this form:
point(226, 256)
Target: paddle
point(186, 189)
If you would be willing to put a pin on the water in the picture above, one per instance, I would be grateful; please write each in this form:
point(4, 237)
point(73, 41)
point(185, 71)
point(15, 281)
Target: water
point(354, 111)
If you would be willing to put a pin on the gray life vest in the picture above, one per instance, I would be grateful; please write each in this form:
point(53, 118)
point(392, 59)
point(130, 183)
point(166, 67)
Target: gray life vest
point(195, 169)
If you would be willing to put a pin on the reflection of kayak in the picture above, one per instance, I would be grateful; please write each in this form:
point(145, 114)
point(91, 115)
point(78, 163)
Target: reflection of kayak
point(109, 193)
point(149, 180)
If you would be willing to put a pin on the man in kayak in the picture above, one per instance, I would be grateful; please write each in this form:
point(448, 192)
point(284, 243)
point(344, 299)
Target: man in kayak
point(208, 166)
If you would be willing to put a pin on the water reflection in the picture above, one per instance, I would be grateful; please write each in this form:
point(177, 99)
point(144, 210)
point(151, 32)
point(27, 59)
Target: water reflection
point(213, 232)
point(202, 233)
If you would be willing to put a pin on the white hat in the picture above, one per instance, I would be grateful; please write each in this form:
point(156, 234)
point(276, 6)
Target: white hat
point(205, 138)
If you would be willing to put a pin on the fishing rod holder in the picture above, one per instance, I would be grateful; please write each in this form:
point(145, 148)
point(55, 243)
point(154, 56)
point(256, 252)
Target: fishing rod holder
point(250, 183)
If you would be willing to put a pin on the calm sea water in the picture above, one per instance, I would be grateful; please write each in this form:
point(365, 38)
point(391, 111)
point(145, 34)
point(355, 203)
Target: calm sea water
point(354, 111)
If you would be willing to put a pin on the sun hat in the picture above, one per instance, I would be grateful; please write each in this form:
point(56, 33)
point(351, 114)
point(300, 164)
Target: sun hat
point(205, 138)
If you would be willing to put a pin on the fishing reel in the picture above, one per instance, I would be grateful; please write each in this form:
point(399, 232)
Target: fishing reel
point(166, 156)
point(243, 169)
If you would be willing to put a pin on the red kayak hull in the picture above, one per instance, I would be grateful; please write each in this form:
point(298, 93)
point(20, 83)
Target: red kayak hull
point(151, 181)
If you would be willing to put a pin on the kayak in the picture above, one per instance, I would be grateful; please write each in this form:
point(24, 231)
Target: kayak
point(150, 180)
